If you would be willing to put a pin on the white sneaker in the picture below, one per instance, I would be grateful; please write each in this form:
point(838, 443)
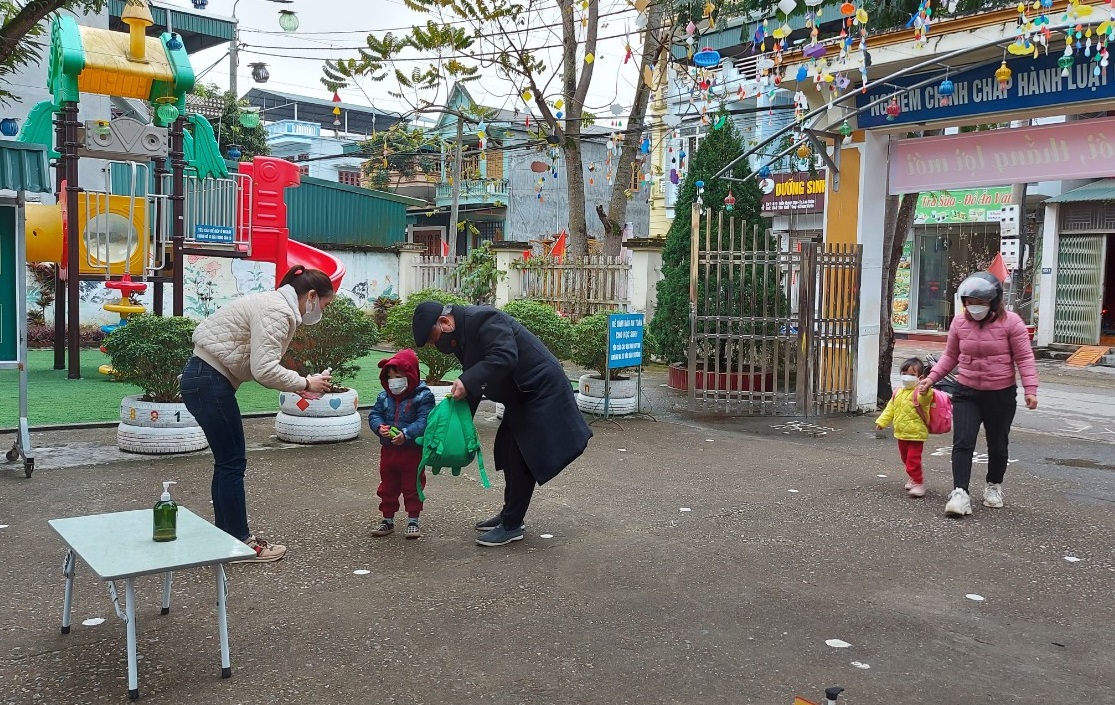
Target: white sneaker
point(993, 495)
point(958, 505)
point(916, 491)
point(908, 485)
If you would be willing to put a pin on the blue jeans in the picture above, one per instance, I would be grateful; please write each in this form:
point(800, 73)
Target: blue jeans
point(211, 398)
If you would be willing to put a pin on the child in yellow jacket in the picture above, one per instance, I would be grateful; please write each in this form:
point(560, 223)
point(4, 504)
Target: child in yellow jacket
point(909, 423)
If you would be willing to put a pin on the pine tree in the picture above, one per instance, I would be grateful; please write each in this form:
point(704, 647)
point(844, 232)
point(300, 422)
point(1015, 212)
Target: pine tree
point(670, 327)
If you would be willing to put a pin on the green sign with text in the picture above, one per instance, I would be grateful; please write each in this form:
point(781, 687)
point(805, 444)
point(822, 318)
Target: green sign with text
point(963, 206)
point(9, 326)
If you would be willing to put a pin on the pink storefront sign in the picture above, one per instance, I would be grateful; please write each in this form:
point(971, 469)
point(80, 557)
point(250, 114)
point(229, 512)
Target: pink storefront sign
point(1073, 150)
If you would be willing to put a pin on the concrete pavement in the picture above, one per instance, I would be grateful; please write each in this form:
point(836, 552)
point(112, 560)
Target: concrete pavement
point(687, 563)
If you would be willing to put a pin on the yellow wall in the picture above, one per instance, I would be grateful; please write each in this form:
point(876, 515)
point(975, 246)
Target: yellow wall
point(842, 214)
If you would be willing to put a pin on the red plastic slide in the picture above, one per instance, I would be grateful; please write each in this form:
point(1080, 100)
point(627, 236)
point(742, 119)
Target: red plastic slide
point(270, 235)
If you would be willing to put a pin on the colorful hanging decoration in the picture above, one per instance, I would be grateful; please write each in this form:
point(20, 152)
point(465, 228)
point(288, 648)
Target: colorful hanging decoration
point(9, 127)
point(945, 91)
point(893, 109)
point(920, 21)
point(1002, 75)
point(729, 201)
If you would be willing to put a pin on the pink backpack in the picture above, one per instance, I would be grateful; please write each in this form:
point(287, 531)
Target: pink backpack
point(940, 413)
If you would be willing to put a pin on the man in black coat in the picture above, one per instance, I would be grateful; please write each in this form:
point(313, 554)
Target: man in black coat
point(542, 431)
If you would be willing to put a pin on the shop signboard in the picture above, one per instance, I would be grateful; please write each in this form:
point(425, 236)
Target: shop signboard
point(962, 206)
point(1036, 83)
point(798, 192)
point(1081, 149)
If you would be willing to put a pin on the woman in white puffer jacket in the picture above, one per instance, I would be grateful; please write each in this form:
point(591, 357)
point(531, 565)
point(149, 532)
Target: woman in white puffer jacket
point(246, 340)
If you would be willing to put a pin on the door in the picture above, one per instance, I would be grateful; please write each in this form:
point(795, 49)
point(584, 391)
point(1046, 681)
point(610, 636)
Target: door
point(1079, 290)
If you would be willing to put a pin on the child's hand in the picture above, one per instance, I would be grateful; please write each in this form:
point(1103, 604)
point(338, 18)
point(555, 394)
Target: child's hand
point(385, 430)
point(398, 440)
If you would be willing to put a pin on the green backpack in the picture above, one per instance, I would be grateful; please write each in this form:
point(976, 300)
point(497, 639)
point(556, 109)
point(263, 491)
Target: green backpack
point(450, 441)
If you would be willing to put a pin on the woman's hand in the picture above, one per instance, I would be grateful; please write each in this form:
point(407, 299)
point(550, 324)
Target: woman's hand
point(923, 386)
point(320, 384)
point(1031, 401)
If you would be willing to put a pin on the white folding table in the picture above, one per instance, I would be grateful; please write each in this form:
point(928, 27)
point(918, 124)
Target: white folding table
point(119, 546)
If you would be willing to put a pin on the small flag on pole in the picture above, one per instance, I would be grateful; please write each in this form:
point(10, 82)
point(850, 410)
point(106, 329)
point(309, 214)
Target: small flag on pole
point(444, 248)
point(557, 251)
point(999, 268)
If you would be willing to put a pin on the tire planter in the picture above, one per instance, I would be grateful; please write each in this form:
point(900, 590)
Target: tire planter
point(136, 412)
point(616, 407)
point(331, 419)
point(761, 381)
point(157, 428)
point(317, 429)
point(499, 411)
point(592, 385)
point(155, 440)
point(440, 391)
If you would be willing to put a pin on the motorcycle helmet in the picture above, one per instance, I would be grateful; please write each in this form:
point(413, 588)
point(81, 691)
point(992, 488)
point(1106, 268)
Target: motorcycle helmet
point(981, 285)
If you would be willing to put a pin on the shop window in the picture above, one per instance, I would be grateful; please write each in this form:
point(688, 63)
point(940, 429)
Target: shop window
point(351, 178)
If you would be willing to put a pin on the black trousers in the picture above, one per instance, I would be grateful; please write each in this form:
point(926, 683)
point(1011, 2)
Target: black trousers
point(519, 481)
point(995, 411)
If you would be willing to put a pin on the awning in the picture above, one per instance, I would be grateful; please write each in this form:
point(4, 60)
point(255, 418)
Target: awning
point(1102, 190)
point(23, 167)
point(198, 30)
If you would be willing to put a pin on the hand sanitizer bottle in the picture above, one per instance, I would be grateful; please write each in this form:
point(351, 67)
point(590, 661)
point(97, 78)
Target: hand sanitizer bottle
point(165, 516)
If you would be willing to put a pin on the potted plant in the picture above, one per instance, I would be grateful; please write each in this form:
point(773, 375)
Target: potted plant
point(344, 335)
point(479, 276)
point(150, 352)
point(553, 329)
point(590, 351)
point(400, 333)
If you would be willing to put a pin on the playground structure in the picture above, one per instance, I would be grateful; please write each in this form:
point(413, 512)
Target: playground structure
point(167, 192)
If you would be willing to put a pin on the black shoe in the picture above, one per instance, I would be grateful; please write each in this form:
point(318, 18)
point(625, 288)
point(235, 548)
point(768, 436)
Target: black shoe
point(489, 524)
point(500, 536)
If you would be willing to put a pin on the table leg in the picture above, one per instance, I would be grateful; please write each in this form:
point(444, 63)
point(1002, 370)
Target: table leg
point(222, 619)
point(130, 612)
point(67, 603)
point(168, 577)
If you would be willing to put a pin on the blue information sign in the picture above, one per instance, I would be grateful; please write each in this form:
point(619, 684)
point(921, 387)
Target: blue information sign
point(213, 233)
point(1034, 83)
point(625, 340)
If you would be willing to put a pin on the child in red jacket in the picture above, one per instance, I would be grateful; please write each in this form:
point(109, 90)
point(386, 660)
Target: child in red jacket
point(398, 418)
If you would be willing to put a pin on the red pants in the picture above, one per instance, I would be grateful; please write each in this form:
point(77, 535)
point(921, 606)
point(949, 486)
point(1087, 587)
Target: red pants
point(398, 473)
point(911, 456)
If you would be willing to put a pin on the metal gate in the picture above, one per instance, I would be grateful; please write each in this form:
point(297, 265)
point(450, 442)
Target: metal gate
point(1079, 292)
point(773, 327)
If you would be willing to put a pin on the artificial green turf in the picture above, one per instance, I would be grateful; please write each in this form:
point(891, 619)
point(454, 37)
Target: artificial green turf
point(53, 399)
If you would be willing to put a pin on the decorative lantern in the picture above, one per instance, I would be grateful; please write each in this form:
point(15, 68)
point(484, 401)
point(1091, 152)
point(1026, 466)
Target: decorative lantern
point(804, 151)
point(846, 129)
point(893, 109)
point(233, 152)
point(9, 127)
point(706, 58)
point(167, 112)
point(200, 4)
point(249, 118)
point(174, 43)
point(764, 172)
point(288, 20)
point(945, 91)
point(259, 72)
point(1002, 75)
point(729, 202)
point(1065, 62)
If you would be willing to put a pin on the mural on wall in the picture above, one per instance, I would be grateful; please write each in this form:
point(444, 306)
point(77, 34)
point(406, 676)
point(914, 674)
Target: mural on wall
point(369, 276)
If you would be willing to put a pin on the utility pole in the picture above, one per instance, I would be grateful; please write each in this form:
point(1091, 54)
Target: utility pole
point(454, 210)
point(233, 59)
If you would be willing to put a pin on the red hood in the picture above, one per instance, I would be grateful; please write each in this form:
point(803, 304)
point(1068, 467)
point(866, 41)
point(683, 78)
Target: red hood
point(405, 360)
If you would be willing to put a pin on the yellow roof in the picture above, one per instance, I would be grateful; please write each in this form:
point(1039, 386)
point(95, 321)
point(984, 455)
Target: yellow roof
point(108, 71)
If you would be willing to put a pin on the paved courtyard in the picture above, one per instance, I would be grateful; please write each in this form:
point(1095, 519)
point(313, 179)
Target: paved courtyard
point(674, 563)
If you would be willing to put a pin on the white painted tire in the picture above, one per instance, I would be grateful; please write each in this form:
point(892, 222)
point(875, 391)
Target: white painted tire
point(332, 404)
point(440, 391)
point(153, 440)
point(591, 385)
point(319, 429)
point(135, 412)
point(616, 407)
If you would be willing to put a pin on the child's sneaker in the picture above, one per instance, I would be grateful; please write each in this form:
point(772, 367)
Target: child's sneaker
point(413, 532)
point(909, 484)
point(265, 552)
point(385, 528)
point(915, 490)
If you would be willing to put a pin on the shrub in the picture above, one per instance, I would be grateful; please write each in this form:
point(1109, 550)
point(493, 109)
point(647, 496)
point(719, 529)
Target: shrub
point(382, 305)
point(590, 344)
point(553, 329)
point(401, 333)
point(344, 335)
point(41, 335)
point(150, 352)
point(479, 276)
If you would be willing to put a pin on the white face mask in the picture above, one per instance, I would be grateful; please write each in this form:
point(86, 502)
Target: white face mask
point(909, 381)
point(397, 385)
point(979, 312)
point(313, 312)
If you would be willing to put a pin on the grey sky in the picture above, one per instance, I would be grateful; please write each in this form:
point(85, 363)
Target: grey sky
point(332, 28)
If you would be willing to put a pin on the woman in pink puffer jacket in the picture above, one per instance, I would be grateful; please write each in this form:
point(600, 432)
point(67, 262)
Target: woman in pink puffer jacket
point(986, 344)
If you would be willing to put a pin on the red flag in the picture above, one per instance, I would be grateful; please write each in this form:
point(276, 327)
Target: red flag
point(999, 268)
point(526, 255)
point(444, 248)
point(557, 251)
